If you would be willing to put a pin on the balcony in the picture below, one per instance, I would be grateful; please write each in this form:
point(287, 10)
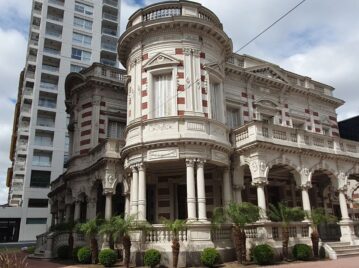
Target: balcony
point(52, 51)
point(109, 16)
point(257, 131)
point(57, 2)
point(109, 31)
point(109, 47)
point(108, 62)
point(28, 92)
point(53, 33)
point(50, 86)
point(111, 3)
point(50, 68)
point(54, 18)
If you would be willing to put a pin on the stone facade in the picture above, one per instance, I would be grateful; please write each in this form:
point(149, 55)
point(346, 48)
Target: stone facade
point(204, 127)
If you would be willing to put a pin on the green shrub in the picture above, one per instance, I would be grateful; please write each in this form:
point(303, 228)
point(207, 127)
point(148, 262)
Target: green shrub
point(107, 257)
point(63, 252)
point(322, 253)
point(74, 253)
point(210, 257)
point(30, 249)
point(152, 257)
point(302, 252)
point(84, 255)
point(263, 254)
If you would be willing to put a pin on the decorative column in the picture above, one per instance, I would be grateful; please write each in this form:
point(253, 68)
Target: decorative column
point(305, 196)
point(191, 190)
point(346, 224)
point(77, 210)
point(68, 213)
point(108, 205)
point(91, 208)
point(238, 193)
point(227, 187)
point(201, 191)
point(141, 193)
point(343, 204)
point(127, 204)
point(261, 198)
point(134, 192)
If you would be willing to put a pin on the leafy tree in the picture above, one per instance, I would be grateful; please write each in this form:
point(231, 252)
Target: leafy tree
point(90, 229)
point(175, 227)
point(240, 214)
point(285, 215)
point(318, 216)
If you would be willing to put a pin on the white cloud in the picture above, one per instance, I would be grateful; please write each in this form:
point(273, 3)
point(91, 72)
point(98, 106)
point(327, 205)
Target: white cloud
point(21, 8)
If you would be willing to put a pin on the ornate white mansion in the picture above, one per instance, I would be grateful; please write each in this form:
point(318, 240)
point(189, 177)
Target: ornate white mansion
point(191, 126)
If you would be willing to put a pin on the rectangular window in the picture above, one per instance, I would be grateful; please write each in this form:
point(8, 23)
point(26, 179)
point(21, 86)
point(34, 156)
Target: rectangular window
point(82, 23)
point(115, 129)
point(76, 68)
point(216, 104)
point(42, 159)
point(47, 101)
point(44, 138)
point(162, 95)
point(84, 9)
point(36, 220)
point(38, 203)
point(233, 120)
point(79, 54)
point(40, 179)
point(82, 39)
point(45, 120)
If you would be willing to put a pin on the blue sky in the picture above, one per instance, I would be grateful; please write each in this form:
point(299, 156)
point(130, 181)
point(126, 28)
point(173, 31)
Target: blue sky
point(320, 40)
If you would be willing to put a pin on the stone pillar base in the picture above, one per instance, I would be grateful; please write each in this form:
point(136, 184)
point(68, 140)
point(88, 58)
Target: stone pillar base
point(347, 230)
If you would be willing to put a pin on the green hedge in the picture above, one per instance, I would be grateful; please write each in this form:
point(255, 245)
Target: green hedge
point(84, 255)
point(263, 254)
point(302, 252)
point(210, 257)
point(107, 257)
point(75, 252)
point(63, 252)
point(152, 257)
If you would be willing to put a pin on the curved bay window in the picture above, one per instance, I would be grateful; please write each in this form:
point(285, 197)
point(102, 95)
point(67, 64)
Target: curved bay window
point(163, 95)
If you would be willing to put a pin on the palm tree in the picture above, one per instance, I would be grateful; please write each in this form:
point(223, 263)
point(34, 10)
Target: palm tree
point(285, 215)
point(91, 228)
point(240, 214)
point(108, 228)
point(318, 216)
point(122, 226)
point(175, 227)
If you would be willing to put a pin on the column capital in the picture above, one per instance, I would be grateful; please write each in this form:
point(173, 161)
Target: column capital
point(257, 182)
point(190, 162)
point(108, 191)
point(200, 162)
point(305, 186)
point(343, 189)
point(134, 168)
point(141, 167)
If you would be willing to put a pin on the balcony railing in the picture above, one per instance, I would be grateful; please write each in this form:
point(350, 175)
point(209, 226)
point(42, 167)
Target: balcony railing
point(111, 3)
point(48, 86)
point(286, 136)
point(56, 2)
point(51, 51)
point(108, 62)
point(55, 18)
point(109, 16)
point(109, 31)
point(162, 13)
point(108, 46)
point(54, 33)
point(50, 68)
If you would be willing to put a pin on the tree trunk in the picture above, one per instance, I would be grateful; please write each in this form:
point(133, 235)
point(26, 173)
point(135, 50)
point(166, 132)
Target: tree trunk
point(70, 241)
point(315, 242)
point(285, 241)
point(237, 237)
point(111, 243)
point(244, 247)
point(126, 241)
point(94, 251)
point(175, 251)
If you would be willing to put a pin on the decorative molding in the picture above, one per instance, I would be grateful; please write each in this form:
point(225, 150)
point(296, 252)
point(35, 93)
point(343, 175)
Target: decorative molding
point(167, 153)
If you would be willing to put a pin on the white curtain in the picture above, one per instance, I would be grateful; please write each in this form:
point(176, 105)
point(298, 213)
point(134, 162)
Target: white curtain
point(163, 96)
point(215, 100)
point(233, 118)
point(115, 129)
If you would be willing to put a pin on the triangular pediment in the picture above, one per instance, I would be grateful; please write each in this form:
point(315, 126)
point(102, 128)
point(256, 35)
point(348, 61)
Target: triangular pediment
point(160, 60)
point(269, 71)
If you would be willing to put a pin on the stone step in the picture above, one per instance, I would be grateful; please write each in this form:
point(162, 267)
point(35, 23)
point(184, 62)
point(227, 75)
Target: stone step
point(345, 248)
point(342, 255)
point(335, 244)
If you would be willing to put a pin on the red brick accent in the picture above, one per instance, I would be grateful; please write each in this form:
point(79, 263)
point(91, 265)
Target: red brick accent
point(317, 122)
point(180, 113)
point(180, 64)
point(180, 75)
point(102, 103)
point(202, 55)
point(315, 113)
point(335, 134)
point(306, 111)
point(333, 118)
point(145, 56)
point(144, 81)
point(144, 117)
point(102, 112)
point(180, 101)
point(144, 105)
point(204, 90)
point(202, 66)
point(86, 105)
point(84, 151)
point(180, 88)
point(86, 132)
point(101, 130)
point(206, 115)
point(317, 130)
point(334, 126)
point(178, 51)
point(203, 78)
point(102, 121)
point(204, 103)
point(245, 113)
point(89, 113)
point(144, 93)
point(286, 105)
point(100, 140)
point(84, 142)
point(244, 95)
point(86, 123)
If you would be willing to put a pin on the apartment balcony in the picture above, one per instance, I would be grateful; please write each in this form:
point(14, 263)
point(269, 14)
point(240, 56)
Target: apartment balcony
point(257, 131)
point(109, 31)
point(50, 68)
point(30, 75)
point(24, 129)
point(54, 18)
point(48, 86)
point(109, 47)
point(25, 111)
point(28, 93)
point(57, 2)
point(108, 62)
point(32, 58)
point(55, 34)
point(19, 166)
point(34, 42)
point(52, 51)
point(111, 3)
point(111, 17)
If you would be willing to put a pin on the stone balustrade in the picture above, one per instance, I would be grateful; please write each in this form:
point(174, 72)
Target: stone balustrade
point(285, 136)
point(159, 234)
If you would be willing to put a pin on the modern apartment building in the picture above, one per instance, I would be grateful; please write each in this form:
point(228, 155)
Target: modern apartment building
point(64, 36)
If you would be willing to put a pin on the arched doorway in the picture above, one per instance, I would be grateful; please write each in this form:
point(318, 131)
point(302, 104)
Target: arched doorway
point(118, 201)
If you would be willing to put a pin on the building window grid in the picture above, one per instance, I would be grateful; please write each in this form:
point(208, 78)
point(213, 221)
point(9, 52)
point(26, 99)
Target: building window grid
point(42, 159)
point(79, 54)
point(233, 117)
point(44, 139)
point(163, 95)
point(82, 23)
point(82, 39)
point(40, 179)
point(36, 220)
point(84, 9)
